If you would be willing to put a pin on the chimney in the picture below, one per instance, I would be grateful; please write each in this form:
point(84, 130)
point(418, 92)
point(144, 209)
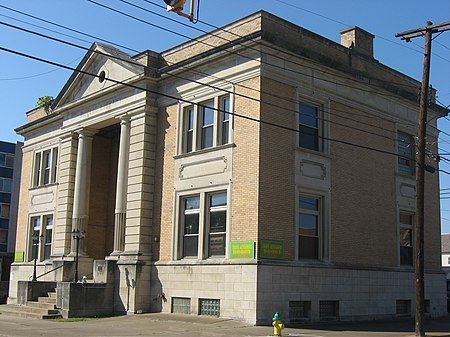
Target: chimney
point(358, 39)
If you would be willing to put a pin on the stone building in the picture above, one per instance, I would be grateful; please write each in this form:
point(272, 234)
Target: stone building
point(259, 168)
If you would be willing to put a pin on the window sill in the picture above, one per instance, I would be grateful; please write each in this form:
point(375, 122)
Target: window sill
point(208, 150)
point(42, 186)
point(315, 153)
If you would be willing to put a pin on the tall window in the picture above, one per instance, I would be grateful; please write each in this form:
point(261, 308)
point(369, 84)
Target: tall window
point(309, 127)
point(203, 225)
point(406, 238)
point(45, 167)
point(41, 228)
point(6, 159)
point(206, 124)
point(309, 223)
point(406, 153)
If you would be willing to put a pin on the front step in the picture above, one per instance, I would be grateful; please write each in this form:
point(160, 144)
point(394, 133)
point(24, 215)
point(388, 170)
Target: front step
point(44, 308)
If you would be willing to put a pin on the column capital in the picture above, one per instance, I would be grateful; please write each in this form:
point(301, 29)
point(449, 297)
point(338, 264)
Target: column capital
point(86, 132)
point(124, 118)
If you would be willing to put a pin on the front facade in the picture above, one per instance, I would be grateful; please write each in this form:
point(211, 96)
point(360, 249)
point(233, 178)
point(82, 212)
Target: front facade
point(257, 169)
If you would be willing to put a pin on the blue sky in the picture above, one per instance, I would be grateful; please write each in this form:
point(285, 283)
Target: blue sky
point(23, 80)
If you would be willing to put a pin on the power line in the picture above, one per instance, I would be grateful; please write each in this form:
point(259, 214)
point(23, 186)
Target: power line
point(190, 102)
point(201, 83)
point(296, 101)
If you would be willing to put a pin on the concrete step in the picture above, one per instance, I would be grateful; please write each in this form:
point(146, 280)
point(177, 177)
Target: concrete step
point(52, 294)
point(27, 312)
point(42, 305)
point(47, 300)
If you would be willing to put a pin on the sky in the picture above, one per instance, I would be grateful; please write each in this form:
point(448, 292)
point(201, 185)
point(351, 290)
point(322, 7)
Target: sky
point(23, 80)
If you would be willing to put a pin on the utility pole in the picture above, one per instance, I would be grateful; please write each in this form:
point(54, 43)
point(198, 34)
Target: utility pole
point(420, 165)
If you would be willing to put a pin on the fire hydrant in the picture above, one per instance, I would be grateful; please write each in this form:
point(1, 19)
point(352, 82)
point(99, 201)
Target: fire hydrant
point(277, 324)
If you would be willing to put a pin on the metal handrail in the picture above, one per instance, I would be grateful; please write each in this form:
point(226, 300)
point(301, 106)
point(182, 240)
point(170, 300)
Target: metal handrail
point(48, 272)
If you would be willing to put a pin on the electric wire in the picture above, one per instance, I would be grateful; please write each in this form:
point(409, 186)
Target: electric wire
point(296, 101)
point(190, 102)
point(205, 84)
point(100, 39)
point(234, 52)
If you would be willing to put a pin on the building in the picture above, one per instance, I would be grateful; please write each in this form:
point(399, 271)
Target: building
point(259, 168)
point(10, 166)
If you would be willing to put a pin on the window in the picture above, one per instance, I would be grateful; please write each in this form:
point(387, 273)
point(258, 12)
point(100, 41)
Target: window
point(209, 307)
point(6, 159)
point(403, 308)
point(299, 311)
point(406, 238)
point(309, 127)
point(41, 228)
point(203, 225)
point(309, 223)
point(181, 305)
point(4, 211)
point(5, 185)
point(45, 167)
point(206, 125)
point(3, 240)
point(328, 310)
point(406, 153)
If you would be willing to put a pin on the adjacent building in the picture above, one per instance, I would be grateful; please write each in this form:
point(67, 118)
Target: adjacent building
point(10, 167)
point(259, 168)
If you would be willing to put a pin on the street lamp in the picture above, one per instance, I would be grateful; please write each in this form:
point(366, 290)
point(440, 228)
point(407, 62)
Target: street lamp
point(35, 238)
point(77, 235)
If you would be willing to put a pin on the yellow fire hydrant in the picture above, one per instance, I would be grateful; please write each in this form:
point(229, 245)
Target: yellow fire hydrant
point(277, 324)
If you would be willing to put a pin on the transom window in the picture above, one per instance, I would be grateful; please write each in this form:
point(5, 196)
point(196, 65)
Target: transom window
point(6, 159)
point(45, 167)
point(309, 226)
point(206, 125)
point(406, 153)
point(203, 225)
point(309, 127)
point(406, 238)
point(42, 229)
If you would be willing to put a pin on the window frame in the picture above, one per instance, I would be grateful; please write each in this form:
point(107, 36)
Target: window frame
point(319, 129)
point(192, 118)
point(402, 167)
point(38, 224)
point(45, 167)
point(410, 227)
point(204, 210)
point(6, 185)
point(5, 209)
point(8, 158)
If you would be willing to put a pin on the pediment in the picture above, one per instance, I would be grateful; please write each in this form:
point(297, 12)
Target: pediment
point(100, 59)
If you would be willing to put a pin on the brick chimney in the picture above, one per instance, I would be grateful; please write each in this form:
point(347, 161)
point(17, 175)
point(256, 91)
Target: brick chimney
point(358, 39)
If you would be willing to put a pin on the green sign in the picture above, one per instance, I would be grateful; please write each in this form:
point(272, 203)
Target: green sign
point(19, 256)
point(242, 250)
point(270, 249)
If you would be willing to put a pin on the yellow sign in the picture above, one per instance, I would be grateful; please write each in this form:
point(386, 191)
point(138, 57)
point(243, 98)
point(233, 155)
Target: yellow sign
point(269, 249)
point(242, 250)
point(19, 256)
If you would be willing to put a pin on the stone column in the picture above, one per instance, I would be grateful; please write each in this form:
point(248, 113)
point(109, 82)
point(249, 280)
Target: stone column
point(122, 184)
point(80, 215)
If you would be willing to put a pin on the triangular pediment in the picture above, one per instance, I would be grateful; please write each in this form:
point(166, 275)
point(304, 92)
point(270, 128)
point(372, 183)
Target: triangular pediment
point(100, 60)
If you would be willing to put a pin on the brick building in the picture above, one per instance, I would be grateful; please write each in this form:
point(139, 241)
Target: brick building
point(242, 181)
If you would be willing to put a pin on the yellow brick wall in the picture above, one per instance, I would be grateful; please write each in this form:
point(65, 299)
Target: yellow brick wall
point(166, 146)
point(363, 194)
point(245, 190)
point(22, 219)
point(277, 176)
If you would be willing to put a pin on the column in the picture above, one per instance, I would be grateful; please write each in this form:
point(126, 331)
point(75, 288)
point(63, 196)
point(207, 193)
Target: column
point(80, 216)
point(121, 187)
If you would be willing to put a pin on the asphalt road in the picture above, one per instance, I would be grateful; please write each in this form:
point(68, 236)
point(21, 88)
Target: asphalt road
point(190, 326)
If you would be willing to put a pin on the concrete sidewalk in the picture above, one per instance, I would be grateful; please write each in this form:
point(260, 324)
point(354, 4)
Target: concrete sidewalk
point(198, 326)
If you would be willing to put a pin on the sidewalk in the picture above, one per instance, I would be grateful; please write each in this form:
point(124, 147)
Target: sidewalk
point(191, 325)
